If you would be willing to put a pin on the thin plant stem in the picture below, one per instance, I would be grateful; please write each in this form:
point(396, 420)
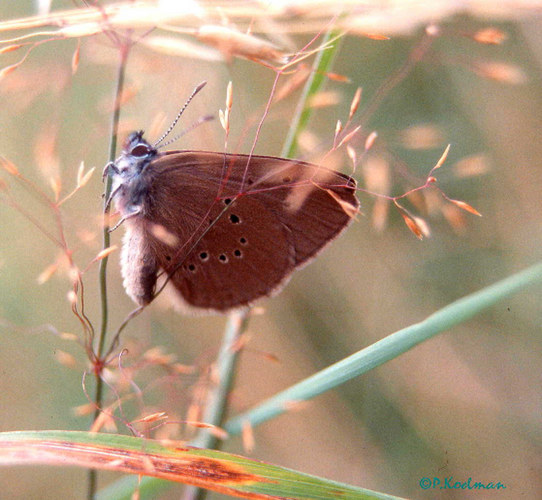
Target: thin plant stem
point(322, 63)
point(107, 192)
point(217, 398)
point(98, 362)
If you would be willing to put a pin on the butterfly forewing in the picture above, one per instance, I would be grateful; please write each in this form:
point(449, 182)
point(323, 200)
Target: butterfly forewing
point(239, 225)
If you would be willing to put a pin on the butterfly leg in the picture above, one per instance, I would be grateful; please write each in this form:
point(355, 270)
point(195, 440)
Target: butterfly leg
point(109, 169)
point(137, 211)
point(111, 196)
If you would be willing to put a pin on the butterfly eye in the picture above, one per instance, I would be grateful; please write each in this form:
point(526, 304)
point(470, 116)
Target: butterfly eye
point(140, 150)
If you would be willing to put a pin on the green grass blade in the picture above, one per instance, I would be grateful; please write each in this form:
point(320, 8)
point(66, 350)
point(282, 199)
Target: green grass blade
point(322, 64)
point(215, 470)
point(388, 348)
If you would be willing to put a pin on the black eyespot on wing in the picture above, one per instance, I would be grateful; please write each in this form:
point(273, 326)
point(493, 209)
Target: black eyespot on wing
point(235, 219)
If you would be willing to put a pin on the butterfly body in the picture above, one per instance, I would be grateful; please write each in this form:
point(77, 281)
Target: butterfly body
point(221, 229)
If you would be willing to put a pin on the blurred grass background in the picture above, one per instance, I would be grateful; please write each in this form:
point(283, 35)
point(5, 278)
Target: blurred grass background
point(465, 404)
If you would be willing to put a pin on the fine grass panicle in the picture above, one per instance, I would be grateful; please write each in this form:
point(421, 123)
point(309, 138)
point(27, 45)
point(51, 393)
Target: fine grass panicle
point(403, 122)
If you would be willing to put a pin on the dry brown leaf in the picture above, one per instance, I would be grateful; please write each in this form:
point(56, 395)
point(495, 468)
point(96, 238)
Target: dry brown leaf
point(349, 136)
point(103, 421)
point(248, 437)
point(175, 46)
point(183, 369)
point(47, 273)
point(233, 43)
point(348, 209)
point(465, 206)
point(371, 138)
point(214, 429)
point(355, 103)
point(153, 417)
point(157, 356)
point(9, 167)
point(412, 225)
point(501, 72)
point(471, 166)
point(376, 36)
point(8, 69)
point(222, 119)
point(338, 77)
point(351, 152)
point(379, 217)
point(423, 136)
point(338, 129)
point(68, 336)
point(56, 186)
point(82, 182)
point(105, 252)
point(443, 157)
point(492, 36)
point(324, 99)
point(76, 57)
point(229, 95)
point(83, 410)
point(455, 217)
point(65, 359)
point(10, 48)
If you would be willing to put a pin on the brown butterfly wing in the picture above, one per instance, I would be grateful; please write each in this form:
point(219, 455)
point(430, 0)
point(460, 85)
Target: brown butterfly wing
point(239, 227)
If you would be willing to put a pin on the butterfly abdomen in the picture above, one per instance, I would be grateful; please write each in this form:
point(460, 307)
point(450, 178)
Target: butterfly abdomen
point(138, 265)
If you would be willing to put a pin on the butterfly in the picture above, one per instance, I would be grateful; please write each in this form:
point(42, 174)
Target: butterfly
point(221, 230)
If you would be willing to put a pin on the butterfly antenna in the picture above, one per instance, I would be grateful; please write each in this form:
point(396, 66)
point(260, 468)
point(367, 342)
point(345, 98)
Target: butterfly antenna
point(179, 114)
point(194, 125)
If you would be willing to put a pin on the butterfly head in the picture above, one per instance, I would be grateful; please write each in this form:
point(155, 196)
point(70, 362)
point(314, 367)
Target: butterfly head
point(129, 185)
point(136, 154)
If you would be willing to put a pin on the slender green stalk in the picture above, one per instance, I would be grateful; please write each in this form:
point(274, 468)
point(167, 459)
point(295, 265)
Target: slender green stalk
point(217, 399)
point(124, 50)
point(388, 348)
point(322, 64)
point(228, 355)
point(107, 192)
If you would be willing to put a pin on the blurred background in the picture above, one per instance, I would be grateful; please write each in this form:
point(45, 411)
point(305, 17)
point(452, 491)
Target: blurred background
point(464, 404)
